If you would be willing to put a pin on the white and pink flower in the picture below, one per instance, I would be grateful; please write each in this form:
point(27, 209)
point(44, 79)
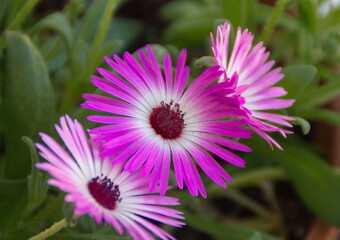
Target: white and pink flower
point(102, 189)
point(250, 77)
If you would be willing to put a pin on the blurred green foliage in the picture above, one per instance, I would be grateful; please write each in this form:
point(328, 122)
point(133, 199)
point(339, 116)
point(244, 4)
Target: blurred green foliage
point(46, 64)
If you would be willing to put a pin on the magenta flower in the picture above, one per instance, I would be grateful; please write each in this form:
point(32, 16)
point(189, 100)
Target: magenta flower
point(249, 75)
point(101, 189)
point(155, 121)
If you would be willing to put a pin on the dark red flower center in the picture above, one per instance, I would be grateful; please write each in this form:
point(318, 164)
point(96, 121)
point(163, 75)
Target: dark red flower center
point(167, 120)
point(104, 191)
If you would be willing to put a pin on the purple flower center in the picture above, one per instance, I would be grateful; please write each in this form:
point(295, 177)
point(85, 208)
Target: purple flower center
point(104, 191)
point(167, 121)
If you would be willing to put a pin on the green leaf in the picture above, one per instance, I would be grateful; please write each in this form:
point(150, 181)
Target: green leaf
point(79, 58)
point(87, 224)
point(191, 30)
point(37, 186)
point(304, 124)
point(308, 15)
point(330, 46)
point(74, 9)
point(89, 24)
point(321, 94)
point(54, 53)
point(56, 22)
point(34, 155)
point(222, 231)
point(319, 114)
point(13, 7)
point(28, 101)
point(297, 78)
point(315, 181)
point(68, 211)
point(205, 61)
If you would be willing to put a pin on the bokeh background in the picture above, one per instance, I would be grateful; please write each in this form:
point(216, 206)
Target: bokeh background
point(50, 48)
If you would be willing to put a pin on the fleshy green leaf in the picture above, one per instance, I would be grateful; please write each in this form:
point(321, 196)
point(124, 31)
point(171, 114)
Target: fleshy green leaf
point(304, 124)
point(68, 210)
point(37, 186)
point(89, 24)
point(54, 53)
point(315, 181)
point(330, 46)
point(13, 7)
point(321, 94)
point(205, 61)
point(222, 231)
point(297, 78)
point(319, 114)
point(308, 15)
point(79, 57)
point(28, 101)
point(56, 22)
point(191, 30)
point(74, 9)
point(87, 224)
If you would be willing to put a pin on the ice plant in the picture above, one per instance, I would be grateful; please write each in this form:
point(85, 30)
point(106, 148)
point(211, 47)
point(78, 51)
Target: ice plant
point(102, 189)
point(154, 122)
point(249, 74)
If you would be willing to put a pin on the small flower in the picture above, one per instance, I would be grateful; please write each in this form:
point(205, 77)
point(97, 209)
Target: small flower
point(102, 189)
point(249, 75)
point(156, 122)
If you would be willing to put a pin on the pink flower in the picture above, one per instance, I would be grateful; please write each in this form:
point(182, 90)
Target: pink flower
point(249, 75)
point(154, 122)
point(101, 189)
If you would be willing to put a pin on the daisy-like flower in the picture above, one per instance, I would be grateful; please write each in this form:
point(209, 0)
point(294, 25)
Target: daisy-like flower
point(249, 75)
point(102, 189)
point(155, 121)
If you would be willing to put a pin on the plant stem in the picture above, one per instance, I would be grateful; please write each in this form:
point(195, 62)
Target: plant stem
point(56, 227)
point(20, 17)
point(270, 24)
point(251, 177)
